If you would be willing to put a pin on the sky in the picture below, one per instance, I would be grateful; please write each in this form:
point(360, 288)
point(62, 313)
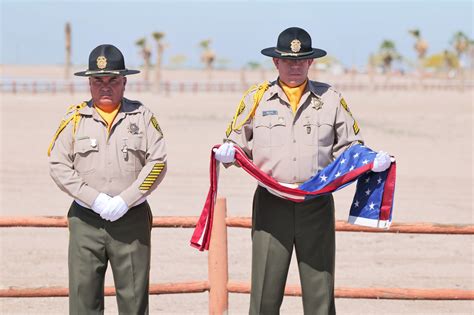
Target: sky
point(32, 32)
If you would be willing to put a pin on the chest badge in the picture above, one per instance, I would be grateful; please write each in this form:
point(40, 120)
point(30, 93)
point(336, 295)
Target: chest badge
point(316, 103)
point(133, 129)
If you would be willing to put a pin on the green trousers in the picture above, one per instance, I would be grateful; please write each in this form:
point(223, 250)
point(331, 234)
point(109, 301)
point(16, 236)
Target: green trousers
point(278, 225)
point(125, 243)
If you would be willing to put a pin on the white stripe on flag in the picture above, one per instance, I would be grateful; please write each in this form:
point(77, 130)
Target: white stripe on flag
point(383, 224)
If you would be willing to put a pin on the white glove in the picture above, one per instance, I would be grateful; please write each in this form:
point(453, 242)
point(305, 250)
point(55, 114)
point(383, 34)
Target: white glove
point(115, 209)
point(225, 153)
point(382, 161)
point(100, 203)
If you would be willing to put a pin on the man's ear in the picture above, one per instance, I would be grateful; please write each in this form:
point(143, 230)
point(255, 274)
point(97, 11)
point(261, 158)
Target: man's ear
point(124, 80)
point(275, 62)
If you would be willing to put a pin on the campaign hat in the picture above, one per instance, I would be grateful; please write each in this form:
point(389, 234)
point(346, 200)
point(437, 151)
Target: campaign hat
point(294, 43)
point(106, 60)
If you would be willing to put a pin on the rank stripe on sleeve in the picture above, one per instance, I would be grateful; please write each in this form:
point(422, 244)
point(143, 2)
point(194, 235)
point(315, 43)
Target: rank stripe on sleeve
point(152, 176)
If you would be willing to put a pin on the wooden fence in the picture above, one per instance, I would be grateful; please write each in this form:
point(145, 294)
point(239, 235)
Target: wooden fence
point(218, 284)
point(169, 87)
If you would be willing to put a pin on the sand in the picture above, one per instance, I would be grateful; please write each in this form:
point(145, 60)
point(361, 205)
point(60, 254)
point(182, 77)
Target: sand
point(429, 133)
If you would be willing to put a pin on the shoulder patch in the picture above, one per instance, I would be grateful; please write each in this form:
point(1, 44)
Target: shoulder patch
point(344, 105)
point(155, 124)
point(355, 126)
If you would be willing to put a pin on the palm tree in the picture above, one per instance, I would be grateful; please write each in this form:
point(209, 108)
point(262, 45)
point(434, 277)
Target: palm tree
point(460, 41)
point(421, 45)
point(208, 56)
point(159, 54)
point(389, 53)
point(146, 54)
point(67, 64)
point(462, 45)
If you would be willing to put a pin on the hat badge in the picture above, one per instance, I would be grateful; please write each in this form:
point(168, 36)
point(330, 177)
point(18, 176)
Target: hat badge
point(101, 62)
point(295, 45)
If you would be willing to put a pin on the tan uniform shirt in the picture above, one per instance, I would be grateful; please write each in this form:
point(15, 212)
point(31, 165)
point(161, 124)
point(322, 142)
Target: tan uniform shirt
point(130, 161)
point(293, 147)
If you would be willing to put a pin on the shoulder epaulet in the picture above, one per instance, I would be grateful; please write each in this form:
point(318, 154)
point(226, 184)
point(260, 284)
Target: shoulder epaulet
point(258, 91)
point(72, 114)
point(331, 88)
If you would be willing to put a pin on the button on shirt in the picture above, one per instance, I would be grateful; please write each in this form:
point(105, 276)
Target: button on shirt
point(129, 161)
point(292, 147)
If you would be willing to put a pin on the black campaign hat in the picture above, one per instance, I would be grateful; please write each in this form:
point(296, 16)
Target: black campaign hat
point(106, 60)
point(294, 43)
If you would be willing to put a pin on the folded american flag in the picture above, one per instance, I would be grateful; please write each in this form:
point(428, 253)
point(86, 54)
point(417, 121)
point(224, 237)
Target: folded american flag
point(372, 204)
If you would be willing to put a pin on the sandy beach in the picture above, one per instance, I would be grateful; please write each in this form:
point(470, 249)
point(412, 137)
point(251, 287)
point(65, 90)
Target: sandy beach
point(429, 132)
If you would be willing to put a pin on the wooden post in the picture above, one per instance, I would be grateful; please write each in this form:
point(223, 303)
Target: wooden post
point(217, 261)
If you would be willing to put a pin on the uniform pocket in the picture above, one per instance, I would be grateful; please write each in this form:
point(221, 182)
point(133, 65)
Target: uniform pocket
point(135, 158)
point(85, 151)
point(270, 131)
point(326, 133)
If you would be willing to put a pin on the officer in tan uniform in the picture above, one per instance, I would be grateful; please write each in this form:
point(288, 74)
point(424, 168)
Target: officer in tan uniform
point(292, 128)
point(109, 155)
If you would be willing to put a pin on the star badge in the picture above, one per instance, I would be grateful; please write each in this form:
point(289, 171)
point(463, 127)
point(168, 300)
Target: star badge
point(101, 62)
point(133, 129)
point(316, 103)
point(295, 45)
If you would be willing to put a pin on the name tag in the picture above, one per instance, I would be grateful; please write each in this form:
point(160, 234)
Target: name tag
point(269, 112)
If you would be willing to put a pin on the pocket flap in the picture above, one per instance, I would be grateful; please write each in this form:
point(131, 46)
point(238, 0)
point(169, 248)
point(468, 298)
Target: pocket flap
point(136, 144)
point(270, 122)
point(85, 145)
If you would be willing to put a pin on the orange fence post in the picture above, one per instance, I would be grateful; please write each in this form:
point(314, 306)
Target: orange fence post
point(217, 261)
